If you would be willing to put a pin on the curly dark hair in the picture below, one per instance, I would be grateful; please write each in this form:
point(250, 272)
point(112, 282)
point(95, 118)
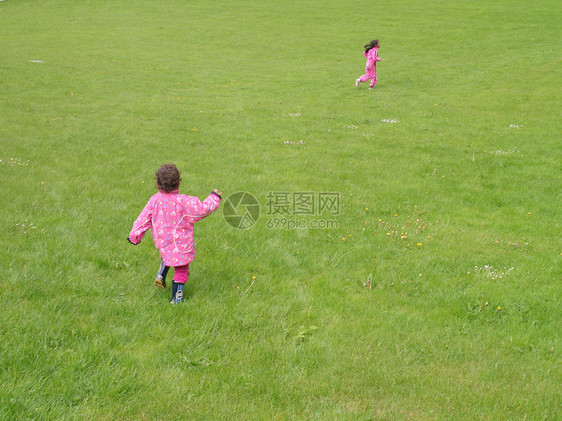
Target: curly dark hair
point(372, 44)
point(168, 178)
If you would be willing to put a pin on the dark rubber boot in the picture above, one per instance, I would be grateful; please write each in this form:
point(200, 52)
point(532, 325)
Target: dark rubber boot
point(177, 293)
point(160, 280)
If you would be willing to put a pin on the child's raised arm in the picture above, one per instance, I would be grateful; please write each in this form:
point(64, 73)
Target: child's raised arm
point(198, 209)
point(141, 225)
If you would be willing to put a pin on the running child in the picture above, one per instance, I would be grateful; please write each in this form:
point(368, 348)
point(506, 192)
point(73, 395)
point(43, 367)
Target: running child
point(371, 53)
point(171, 216)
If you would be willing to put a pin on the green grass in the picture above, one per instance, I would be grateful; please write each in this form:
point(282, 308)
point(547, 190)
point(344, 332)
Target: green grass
point(126, 86)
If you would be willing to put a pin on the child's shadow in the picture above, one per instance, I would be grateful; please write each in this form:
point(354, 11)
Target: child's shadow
point(188, 292)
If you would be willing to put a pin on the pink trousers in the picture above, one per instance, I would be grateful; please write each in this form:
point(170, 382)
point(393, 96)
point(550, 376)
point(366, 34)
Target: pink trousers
point(181, 273)
point(370, 73)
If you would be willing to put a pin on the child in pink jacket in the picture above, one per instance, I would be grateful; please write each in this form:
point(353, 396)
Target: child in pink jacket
point(371, 53)
point(171, 216)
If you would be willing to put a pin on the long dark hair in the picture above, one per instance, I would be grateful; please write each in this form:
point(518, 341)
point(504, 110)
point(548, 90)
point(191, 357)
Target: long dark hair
point(372, 44)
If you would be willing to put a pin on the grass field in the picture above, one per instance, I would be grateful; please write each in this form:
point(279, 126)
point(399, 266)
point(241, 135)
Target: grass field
point(436, 296)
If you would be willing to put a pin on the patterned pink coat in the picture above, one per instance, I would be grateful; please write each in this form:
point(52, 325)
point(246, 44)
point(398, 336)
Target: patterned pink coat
point(171, 217)
point(372, 57)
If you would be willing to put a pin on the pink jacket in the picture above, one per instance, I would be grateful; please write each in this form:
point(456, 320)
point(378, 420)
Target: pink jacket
point(171, 217)
point(372, 57)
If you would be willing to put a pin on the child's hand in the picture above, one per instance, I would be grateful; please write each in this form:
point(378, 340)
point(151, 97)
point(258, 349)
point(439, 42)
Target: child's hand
point(217, 191)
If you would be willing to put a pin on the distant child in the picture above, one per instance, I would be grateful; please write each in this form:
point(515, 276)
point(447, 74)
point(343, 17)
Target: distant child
point(171, 216)
point(372, 54)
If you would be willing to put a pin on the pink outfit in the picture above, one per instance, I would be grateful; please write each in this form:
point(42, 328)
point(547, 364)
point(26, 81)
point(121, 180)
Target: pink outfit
point(171, 217)
point(371, 66)
point(181, 273)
